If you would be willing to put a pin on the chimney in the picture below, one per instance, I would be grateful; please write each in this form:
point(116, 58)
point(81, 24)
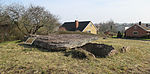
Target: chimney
point(76, 23)
point(147, 25)
point(140, 23)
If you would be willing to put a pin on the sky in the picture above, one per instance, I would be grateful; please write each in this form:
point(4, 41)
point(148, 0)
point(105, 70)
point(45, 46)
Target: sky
point(120, 11)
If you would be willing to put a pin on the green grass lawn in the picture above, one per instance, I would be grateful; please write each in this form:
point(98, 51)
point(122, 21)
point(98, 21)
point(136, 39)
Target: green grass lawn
point(145, 39)
point(16, 58)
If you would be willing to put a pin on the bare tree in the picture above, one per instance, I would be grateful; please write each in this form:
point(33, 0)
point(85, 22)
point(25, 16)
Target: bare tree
point(30, 20)
point(36, 17)
point(15, 13)
point(107, 26)
point(17, 21)
point(5, 25)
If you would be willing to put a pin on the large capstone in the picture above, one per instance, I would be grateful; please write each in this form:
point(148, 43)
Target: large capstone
point(63, 41)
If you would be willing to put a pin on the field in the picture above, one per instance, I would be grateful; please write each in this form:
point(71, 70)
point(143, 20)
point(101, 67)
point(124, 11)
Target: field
point(18, 58)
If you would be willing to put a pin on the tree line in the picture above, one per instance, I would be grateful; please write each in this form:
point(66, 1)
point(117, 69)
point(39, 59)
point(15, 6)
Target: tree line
point(17, 21)
point(110, 26)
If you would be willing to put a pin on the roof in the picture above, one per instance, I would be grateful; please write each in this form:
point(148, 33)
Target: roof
point(70, 26)
point(144, 27)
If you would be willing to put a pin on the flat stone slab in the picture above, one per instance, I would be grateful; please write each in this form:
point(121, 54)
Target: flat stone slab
point(63, 41)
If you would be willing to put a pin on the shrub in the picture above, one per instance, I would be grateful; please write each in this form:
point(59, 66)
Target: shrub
point(119, 35)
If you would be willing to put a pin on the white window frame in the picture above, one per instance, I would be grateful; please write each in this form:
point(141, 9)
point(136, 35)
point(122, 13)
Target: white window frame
point(90, 25)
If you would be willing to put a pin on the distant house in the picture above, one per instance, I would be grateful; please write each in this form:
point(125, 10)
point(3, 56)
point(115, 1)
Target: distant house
point(138, 30)
point(83, 26)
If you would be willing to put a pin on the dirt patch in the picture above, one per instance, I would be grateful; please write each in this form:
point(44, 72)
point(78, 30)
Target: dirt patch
point(99, 50)
point(79, 54)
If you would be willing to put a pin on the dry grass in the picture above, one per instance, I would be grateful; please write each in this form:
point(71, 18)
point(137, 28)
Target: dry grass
point(15, 58)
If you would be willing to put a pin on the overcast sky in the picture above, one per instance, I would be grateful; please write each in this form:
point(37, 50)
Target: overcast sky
point(121, 11)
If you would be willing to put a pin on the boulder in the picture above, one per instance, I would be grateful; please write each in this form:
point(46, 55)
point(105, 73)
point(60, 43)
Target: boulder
point(113, 52)
point(125, 49)
point(63, 41)
point(99, 50)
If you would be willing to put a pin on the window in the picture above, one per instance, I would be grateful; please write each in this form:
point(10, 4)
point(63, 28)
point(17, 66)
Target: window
point(89, 31)
point(90, 25)
point(135, 33)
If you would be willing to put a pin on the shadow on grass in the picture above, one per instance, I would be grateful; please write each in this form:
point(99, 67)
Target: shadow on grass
point(18, 41)
point(39, 48)
point(76, 54)
point(141, 39)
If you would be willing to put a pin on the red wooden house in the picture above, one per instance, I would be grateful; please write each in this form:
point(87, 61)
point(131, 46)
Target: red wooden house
point(138, 30)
